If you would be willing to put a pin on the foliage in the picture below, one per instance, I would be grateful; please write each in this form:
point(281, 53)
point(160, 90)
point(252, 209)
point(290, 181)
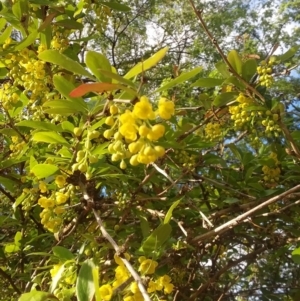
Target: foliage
point(149, 169)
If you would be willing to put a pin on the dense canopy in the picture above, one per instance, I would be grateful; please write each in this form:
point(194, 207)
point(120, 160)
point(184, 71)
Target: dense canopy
point(149, 150)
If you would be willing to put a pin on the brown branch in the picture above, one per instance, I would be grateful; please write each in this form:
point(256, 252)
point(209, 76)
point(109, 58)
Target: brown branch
point(234, 222)
point(198, 13)
point(130, 268)
point(10, 280)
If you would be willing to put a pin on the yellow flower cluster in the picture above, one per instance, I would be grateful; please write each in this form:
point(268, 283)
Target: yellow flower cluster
point(213, 131)
point(239, 113)
point(59, 41)
point(52, 206)
point(147, 267)
point(271, 174)
point(265, 74)
point(185, 159)
point(16, 146)
point(136, 135)
point(270, 124)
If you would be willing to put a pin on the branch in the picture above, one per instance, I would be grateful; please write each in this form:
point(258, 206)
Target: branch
point(130, 268)
point(10, 280)
point(215, 43)
point(234, 222)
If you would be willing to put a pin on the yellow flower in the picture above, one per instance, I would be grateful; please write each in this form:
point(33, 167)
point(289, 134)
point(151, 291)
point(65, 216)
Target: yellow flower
point(168, 288)
point(119, 261)
point(166, 108)
point(60, 198)
point(165, 281)
point(151, 287)
point(121, 272)
point(127, 117)
point(59, 210)
point(156, 132)
point(43, 187)
point(143, 109)
point(60, 181)
point(129, 131)
point(129, 298)
point(106, 292)
point(147, 266)
point(134, 288)
point(46, 203)
point(55, 269)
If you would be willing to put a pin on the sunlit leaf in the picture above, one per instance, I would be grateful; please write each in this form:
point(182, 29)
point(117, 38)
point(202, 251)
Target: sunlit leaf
point(180, 79)
point(147, 64)
point(85, 288)
point(44, 170)
point(55, 57)
point(49, 137)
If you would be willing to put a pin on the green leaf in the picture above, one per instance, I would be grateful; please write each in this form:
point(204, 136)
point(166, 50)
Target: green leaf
point(39, 125)
point(208, 82)
point(32, 162)
point(7, 183)
point(156, 239)
point(296, 255)
point(290, 53)
point(44, 170)
point(249, 69)
point(67, 126)
point(147, 64)
point(3, 72)
point(170, 212)
point(85, 288)
point(116, 6)
point(144, 226)
point(235, 61)
point(70, 24)
point(49, 137)
point(6, 34)
point(11, 248)
point(65, 87)
point(96, 283)
point(100, 88)
point(37, 296)
point(27, 41)
point(55, 57)
point(224, 98)
point(238, 154)
point(223, 69)
point(117, 78)
point(101, 149)
point(96, 61)
point(17, 238)
point(56, 279)
point(62, 253)
point(180, 79)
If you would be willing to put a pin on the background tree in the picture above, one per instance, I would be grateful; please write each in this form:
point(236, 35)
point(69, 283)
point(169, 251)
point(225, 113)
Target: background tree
point(128, 172)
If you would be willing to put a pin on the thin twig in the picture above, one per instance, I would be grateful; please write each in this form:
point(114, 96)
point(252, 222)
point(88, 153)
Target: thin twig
point(235, 221)
point(215, 43)
point(10, 280)
point(130, 268)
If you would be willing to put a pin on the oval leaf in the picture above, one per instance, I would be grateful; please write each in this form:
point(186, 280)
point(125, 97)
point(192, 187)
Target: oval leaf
point(96, 61)
point(208, 82)
point(249, 69)
point(55, 57)
point(40, 125)
point(157, 238)
point(224, 98)
point(170, 212)
point(147, 64)
point(37, 296)
point(116, 6)
point(180, 79)
point(235, 61)
point(49, 137)
point(85, 288)
point(44, 170)
point(100, 88)
point(62, 253)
